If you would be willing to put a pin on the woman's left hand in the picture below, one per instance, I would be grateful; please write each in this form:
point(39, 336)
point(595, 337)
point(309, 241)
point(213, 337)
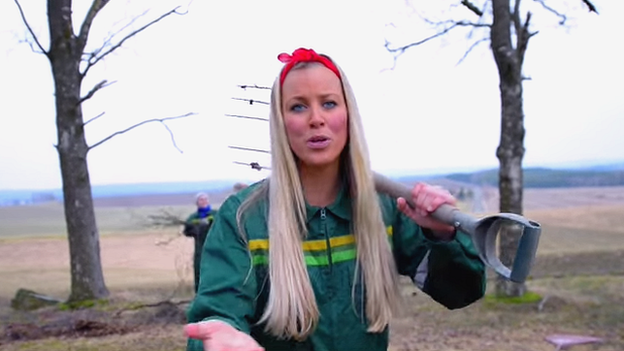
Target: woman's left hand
point(427, 199)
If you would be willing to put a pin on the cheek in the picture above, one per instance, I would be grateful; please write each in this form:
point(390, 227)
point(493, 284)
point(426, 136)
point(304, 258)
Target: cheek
point(295, 127)
point(339, 124)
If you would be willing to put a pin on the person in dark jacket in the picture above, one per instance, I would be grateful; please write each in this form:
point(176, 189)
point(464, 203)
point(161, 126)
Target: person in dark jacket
point(309, 258)
point(197, 226)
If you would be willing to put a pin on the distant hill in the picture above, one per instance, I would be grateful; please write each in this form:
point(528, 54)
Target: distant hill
point(549, 178)
point(611, 174)
point(23, 197)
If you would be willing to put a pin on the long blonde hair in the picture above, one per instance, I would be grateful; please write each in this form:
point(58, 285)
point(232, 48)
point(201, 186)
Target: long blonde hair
point(291, 310)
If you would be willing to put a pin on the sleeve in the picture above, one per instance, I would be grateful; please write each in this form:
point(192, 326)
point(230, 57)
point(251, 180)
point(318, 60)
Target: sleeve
point(190, 228)
point(451, 272)
point(228, 289)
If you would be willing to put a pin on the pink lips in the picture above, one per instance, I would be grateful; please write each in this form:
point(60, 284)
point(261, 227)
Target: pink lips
point(318, 142)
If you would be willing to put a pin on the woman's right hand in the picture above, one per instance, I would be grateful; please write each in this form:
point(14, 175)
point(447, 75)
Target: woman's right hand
point(220, 336)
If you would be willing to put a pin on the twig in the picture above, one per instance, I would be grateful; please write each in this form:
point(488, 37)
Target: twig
point(563, 17)
point(591, 6)
point(472, 7)
point(156, 304)
point(165, 219)
point(248, 117)
point(161, 120)
point(254, 165)
point(252, 101)
point(245, 87)
point(32, 33)
point(93, 119)
point(98, 86)
point(474, 45)
point(94, 60)
point(249, 149)
point(111, 36)
point(401, 49)
point(168, 241)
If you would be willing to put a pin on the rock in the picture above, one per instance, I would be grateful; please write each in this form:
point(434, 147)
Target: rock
point(28, 300)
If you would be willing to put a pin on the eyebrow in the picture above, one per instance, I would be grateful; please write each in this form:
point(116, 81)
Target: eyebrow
point(323, 96)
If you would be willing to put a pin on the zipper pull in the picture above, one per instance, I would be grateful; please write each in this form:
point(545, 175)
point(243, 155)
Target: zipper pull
point(323, 214)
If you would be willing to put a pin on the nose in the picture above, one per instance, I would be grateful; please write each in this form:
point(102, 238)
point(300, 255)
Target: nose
point(317, 119)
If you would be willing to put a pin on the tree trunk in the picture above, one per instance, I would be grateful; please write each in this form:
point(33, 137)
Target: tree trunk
point(87, 280)
point(510, 150)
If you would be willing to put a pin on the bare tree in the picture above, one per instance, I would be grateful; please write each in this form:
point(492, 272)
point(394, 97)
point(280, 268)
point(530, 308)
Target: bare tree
point(507, 29)
point(70, 62)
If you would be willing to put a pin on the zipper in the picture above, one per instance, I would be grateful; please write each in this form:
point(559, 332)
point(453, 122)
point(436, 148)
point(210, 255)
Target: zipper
point(324, 228)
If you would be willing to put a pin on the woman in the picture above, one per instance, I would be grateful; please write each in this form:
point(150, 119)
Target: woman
point(197, 226)
point(309, 258)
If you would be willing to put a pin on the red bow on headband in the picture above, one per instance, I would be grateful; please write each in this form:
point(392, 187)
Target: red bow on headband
point(304, 55)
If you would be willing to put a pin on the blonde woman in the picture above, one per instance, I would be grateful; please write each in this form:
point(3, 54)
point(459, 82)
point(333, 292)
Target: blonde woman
point(309, 258)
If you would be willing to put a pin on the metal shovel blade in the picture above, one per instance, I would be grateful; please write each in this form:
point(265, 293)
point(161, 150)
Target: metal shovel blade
point(483, 231)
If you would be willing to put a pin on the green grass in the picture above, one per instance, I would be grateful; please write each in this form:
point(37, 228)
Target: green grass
point(528, 298)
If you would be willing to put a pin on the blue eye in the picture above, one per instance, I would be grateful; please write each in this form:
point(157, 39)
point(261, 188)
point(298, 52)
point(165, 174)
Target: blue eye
point(297, 108)
point(329, 104)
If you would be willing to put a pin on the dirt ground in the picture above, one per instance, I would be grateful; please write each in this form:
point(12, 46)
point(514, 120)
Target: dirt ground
point(581, 292)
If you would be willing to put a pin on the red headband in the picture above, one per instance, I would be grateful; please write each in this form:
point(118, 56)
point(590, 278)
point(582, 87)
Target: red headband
point(304, 55)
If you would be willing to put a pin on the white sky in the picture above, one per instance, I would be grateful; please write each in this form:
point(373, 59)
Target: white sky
point(426, 115)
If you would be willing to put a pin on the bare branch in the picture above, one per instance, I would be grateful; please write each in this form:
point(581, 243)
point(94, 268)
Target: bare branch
point(161, 120)
point(94, 60)
point(591, 6)
point(248, 117)
point(472, 7)
point(254, 165)
point(515, 16)
point(30, 30)
point(555, 12)
point(109, 39)
point(249, 149)
point(451, 22)
point(33, 47)
point(93, 119)
point(523, 40)
point(156, 304)
point(96, 6)
point(98, 86)
point(252, 101)
point(165, 219)
point(472, 47)
point(245, 87)
point(400, 50)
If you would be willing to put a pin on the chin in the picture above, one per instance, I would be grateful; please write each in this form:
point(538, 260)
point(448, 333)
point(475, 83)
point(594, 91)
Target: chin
point(317, 162)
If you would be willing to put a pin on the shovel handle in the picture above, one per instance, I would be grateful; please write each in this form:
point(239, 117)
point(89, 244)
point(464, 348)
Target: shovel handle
point(483, 232)
point(445, 213)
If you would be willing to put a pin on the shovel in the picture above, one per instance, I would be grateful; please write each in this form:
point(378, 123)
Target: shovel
point(483, 232)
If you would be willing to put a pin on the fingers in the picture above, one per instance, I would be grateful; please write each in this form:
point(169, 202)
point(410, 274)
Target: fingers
point(404, 207)
point(428, 198)
point(205, 330)
point(220, 336)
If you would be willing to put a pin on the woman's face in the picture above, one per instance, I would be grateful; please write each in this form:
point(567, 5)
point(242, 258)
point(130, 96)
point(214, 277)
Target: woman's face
point(315, 115)
point(202, 202)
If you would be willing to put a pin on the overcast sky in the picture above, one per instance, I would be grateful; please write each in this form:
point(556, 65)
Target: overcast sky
point(427, 114)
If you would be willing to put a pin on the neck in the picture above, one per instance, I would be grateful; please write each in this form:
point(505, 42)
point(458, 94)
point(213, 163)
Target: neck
point(320, 184)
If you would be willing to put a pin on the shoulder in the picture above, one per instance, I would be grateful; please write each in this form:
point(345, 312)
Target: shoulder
point(232, 203)
point(192, 216)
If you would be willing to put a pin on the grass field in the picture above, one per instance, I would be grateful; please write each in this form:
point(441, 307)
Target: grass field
point(579, 276)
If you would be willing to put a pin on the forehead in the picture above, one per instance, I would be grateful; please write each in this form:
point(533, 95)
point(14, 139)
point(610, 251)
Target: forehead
point(311, 78)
